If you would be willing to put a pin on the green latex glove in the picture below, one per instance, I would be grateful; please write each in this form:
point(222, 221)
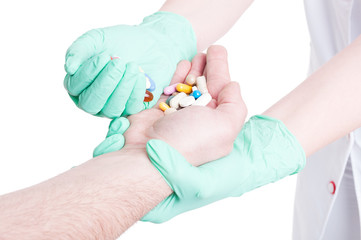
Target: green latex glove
point(114, 140)
point(264, 152)
point(114, 88)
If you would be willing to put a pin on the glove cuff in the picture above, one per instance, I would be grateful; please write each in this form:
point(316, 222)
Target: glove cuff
point(271, 148)
point(264, 151)
point(176, 28)
point(280, 141)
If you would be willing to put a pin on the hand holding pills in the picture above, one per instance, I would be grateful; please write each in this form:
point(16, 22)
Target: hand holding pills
point(198, 134)
point(196, 130)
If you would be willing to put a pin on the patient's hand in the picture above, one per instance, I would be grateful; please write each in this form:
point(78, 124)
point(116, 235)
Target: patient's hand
point(196, 131)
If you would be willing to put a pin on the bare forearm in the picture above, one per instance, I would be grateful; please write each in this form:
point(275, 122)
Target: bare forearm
point(327, 105)
point(97, 200)
point(210, 19)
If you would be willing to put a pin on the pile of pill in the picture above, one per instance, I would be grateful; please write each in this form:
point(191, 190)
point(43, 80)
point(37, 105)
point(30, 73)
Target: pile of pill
point(193, 93)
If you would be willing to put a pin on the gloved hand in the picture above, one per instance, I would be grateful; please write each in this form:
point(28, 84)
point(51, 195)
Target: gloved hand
point(114, 140)
point(114, 88)
point(226, 109)
point(264, 152)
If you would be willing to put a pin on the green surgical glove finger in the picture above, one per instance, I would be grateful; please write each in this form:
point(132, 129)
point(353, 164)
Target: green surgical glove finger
point(86, 46)
point(93, 98)
point(157, 45)
point(76, 83)
point(130, 91)
point(177, 169)
point(110, 144)
point(182, 198)
point(136, 102)
point(118, 125)
point(115, 139)
point(179, 173)
point(264, 151)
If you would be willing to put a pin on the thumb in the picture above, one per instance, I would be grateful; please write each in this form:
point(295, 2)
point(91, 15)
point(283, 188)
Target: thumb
point(183, 67)
point(118, 126)
point(113, 143)
point(217, 70)
point(180, 175)
point(164, 211)
point(86, 46)
point(230, 102)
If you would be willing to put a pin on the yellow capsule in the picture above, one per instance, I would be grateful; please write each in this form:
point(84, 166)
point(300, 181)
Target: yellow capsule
point(163, 106)
point(181, 87)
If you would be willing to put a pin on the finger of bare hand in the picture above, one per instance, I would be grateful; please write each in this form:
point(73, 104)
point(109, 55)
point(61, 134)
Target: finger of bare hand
point(230, 103)
point(198, 65)
point(181, 71)
point(217, 72)
point(179, 75)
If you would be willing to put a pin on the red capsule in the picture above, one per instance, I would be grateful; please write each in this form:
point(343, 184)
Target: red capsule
point(148, 96)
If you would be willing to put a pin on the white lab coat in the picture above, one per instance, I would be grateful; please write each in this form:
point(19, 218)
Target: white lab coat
point(321, 210)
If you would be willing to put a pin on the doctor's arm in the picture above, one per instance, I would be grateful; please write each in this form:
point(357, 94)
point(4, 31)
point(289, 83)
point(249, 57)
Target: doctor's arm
point(327, 105)
point(323, 108)
point(210, 19)
point(112, 87)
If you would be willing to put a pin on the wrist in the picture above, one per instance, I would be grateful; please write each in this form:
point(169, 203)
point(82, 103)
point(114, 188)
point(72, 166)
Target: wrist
point(178, 33)
point(131, 185)
point(140, 169)
point(147, 183)
point(267, 137)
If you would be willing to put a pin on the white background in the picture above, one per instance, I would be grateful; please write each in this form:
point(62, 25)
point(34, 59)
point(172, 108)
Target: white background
point(42, 133)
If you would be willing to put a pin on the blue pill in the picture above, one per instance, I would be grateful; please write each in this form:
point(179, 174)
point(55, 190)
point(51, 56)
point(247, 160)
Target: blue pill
point(168, 100)
point(196, 94)
point(152, 83)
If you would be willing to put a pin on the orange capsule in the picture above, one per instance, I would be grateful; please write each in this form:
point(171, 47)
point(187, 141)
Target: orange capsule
point(148, 96)
point(181, 87)
point(163, 106)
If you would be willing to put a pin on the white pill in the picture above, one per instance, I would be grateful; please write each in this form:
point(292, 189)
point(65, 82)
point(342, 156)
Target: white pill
point(194, 88)
point(169, 111)
point(147, 83)
point(202, 84)
point(191, 79)
point(174, 102)
point(187, 101)
point(203, 100)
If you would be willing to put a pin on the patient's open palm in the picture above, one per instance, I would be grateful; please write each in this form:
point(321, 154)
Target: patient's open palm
point(196, 131)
